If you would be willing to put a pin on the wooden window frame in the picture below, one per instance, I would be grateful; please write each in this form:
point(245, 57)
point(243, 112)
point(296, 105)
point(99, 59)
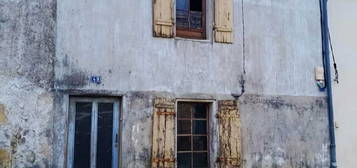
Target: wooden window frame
point(194, 33)
point(208, 104)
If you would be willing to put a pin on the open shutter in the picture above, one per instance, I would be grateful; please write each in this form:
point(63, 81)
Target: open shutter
point(163, 20)
point(223, 21)
point(229, 134)
point(163, 147)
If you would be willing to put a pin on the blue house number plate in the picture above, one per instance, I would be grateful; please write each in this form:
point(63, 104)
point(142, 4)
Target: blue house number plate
point(96, 79)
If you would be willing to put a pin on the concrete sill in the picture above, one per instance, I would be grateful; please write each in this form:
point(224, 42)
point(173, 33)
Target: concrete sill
point(193, 40)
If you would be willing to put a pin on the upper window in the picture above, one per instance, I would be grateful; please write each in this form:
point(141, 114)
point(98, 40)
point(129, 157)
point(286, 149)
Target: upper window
point(190, 19)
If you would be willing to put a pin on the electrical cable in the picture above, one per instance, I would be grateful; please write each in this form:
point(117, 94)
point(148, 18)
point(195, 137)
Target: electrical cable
point(333, 57)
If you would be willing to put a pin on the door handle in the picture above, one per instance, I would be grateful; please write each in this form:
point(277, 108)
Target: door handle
point(116, 140)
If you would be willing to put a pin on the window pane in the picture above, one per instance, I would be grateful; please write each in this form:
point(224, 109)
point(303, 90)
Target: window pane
point(195, 20)
point(105, 135)
point(196, 5)
point(82, 134)
point(184, 160)
point(200, 160)
point(182, 18)
point(183, 127)
point(184, 110)
point(183, 143)
point(182, 4)
point(199, 143)
point(199, 126)
point(200, 110)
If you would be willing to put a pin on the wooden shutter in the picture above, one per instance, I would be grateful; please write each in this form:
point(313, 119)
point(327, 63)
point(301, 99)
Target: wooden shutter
point(163, 20)
point(229, 134)
point(223, 21)
point(163, 147)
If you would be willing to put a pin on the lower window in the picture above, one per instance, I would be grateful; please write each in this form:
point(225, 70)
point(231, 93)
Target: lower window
point(93, 139)
point(192, 135)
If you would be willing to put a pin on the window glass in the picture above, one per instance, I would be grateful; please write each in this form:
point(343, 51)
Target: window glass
point(83, 133)
point(182, 4)
point(200, 160)
point(184, 127)
point(93, 137)
point(183, 143)
point(192, 135)
point(199, 126)
point(184, 160)
point(200, 110)
point(184, 110)
point(105, 135)
point(196, 5)
point(200, 143)
point(190, 16)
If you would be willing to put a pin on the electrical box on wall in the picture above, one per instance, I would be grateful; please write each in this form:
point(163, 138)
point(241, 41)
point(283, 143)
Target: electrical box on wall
point(320, 78)
point(319, 73)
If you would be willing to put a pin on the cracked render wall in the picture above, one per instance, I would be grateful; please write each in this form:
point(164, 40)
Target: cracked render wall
point(284, 115)
point(114, 40)
point(26, 75)
point(277, 45)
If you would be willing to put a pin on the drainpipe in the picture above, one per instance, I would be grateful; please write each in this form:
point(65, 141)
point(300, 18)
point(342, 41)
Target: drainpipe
point(327, 68)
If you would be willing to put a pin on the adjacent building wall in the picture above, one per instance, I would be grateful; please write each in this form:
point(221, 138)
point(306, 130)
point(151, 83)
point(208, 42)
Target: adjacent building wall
point(27, 34)
point(343, 26)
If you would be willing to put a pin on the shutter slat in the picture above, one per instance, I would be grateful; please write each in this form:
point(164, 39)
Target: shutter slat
point(162, 137)
point(155, 134)
point(229, 134)
point(169, 143)
point(163, 20)
point(163, 155)
point(223, 22)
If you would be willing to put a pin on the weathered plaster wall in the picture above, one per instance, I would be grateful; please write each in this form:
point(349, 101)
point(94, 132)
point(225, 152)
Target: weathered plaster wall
point(282, 46)
point(26, 58)
point(277, 45)
point(115, 40)
point(284, 131)
point(343, 26)
point(284, 116)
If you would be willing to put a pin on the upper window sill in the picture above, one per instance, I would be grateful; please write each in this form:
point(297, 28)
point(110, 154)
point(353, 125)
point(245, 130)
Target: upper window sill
point(193, 40)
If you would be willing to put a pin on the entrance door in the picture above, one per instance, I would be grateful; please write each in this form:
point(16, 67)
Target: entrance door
point(93, 139)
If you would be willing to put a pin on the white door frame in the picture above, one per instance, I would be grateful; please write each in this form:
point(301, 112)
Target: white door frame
point(93, 143)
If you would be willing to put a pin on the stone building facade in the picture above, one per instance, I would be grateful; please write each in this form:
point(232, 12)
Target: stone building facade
point(54, 52)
